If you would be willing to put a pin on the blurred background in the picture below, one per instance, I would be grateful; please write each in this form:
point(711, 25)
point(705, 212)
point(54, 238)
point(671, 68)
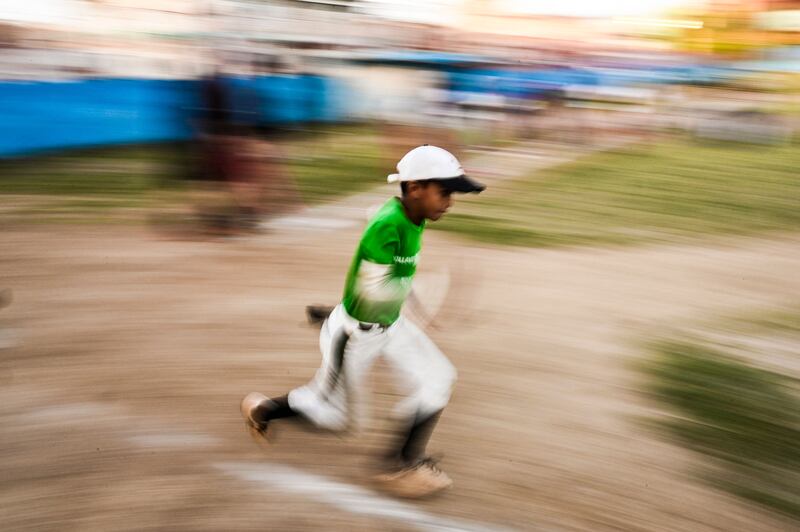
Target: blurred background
point(338, 91)
point(179, 178)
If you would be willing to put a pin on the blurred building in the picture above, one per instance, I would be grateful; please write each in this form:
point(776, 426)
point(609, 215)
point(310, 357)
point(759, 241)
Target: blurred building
point(116, 38)
point(181, 38)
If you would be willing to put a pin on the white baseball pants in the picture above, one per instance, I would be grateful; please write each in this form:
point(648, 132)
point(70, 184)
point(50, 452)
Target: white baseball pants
point(334, 397)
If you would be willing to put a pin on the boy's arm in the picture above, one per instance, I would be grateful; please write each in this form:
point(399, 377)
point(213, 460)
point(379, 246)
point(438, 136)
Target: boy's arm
point(418, 309)
point(376, 281)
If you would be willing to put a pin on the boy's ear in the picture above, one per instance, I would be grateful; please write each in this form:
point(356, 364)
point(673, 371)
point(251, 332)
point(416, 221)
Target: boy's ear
point(413, 186)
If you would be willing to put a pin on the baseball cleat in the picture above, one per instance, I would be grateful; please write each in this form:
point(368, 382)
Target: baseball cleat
point(251, 402)
point(416, 481)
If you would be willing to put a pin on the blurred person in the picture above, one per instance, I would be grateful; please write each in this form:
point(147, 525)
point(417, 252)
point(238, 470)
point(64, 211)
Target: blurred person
point(213, 200)
point(367, 324)
point(215, 115)
point(250, 182)
point(260, 183)
point(241, 173)
point(215, 154)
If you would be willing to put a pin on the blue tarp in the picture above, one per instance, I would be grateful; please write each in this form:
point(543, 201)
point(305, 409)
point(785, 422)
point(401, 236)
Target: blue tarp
point(687, 74)
point(44, 115)
point(519, 83)
point(531, 83)
point(47, 115)
point(483, 74)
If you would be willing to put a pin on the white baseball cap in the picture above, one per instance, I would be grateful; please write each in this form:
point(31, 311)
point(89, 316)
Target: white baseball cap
point(432, 163)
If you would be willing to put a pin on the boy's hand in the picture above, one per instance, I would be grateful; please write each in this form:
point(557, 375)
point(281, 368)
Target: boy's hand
point(317, 314)
point(418, 309)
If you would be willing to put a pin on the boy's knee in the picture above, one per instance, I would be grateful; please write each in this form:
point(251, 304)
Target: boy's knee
point(441, 388)
point(321, 413)
point(450, 377)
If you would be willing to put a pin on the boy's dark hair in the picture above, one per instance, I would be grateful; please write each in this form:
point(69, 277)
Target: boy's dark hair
point(404, 185)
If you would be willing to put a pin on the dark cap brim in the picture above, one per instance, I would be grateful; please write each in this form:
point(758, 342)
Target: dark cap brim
point(461, 183)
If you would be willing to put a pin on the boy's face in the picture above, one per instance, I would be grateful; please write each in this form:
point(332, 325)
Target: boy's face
point(433, 199)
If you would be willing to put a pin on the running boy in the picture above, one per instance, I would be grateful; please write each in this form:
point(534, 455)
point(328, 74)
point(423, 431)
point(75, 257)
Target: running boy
point(367, 323)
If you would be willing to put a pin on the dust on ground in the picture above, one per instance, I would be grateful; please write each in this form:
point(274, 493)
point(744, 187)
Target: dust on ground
point(130, 353)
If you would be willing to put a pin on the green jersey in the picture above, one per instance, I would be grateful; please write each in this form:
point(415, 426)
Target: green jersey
point(383, 267)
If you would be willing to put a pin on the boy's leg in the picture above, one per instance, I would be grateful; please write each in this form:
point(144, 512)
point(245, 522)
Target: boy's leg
point(429, 377)
point(323, 401)
point(329, 399)
point(258, 409)
point(346, 354)
point(412, 443)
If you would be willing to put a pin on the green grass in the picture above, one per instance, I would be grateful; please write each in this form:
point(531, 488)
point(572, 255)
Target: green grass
point(673, 190)
point(334, 162)
point(118, 171)
point(325, 162)
point(784, 321)
point(744, 419)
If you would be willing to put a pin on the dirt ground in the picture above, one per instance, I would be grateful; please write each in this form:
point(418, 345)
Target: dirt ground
point(119, 396)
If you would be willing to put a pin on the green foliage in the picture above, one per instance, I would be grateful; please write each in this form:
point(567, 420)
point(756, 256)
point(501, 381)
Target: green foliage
point(674, 190)
point(746, 419)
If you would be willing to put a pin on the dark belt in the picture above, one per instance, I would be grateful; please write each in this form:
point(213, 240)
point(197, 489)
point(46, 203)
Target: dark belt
point(364, 326)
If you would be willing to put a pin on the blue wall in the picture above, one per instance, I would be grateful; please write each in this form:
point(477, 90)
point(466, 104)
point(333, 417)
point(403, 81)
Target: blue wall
point(38, 115)
point(43, 115)
point(533, 83)
point(519, 83)
point(288, 99)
